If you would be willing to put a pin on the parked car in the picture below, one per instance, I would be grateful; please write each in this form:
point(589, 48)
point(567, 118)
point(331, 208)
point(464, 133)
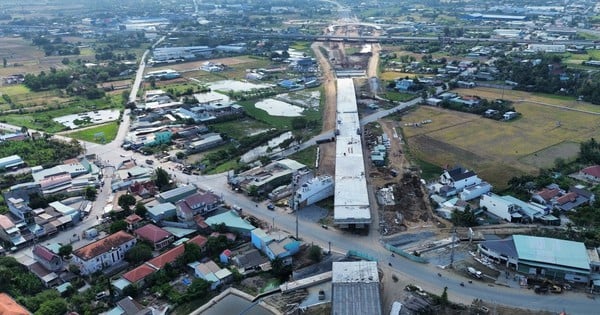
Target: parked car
point(270, 206)
point(324, 226)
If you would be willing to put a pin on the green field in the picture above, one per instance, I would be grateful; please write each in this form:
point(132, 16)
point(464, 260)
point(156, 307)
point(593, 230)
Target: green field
point(240, 128)
point(40, 117)
point(307, 157)
point(89, 134)
point(499, 150)
point(398, 97)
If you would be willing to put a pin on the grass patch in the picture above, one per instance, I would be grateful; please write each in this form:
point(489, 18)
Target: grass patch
point(393, 75)
point(307, 156)
point(13, 90)
point(301, 46)
point(499, 150)
point(229, 165)
point(240, 128)
point(110, 133)
point(398, 97)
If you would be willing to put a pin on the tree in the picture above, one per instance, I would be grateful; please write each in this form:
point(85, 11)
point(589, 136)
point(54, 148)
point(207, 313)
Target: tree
point(192, 252)
point(162, 180)
point(315, 253)
point(444, 297)
point(90, 193)
point(65, 250)
point(56, 306)
point(140, 209)
point(126, 201)
point(197, 289)
point(131, 290)
point(216, 245)
point(139, 253)
point(117, 226)
point(279, 269)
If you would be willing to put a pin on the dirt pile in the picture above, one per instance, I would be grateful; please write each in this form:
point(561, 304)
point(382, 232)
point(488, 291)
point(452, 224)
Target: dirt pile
point(411, 199)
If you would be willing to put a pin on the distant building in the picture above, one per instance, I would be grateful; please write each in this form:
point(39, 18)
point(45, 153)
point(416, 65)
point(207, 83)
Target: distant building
point(547, 48)
point(591, 173)
point(161, 212)
point(275, 244)
point(48, 259)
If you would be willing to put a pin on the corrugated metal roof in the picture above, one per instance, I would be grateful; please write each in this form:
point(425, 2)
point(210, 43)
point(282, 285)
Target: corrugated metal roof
point(552, 251)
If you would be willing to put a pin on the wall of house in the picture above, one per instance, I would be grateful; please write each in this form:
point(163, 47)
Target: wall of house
point(495, 206)
point(103, 260)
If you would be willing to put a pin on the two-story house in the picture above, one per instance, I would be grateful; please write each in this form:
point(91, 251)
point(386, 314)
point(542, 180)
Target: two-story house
point(198, 203)
point(456, 179)
point(275, 244)
point(103, 253)
point(48, 259)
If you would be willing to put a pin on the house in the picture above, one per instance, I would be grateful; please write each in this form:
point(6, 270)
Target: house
point(457, 179)
point(177, 194)
point(232, 221)
point(509, 115)
point(249, 260)
point(10, 233)
point(275, 244)
point(467, 101)
point(103, 253)
point(143, 189)
point(404, 85)
point(138, 275)
point(591, 173)
point(512, 209)
point(475, 191)
point(574, 198)
point(154, 235)
point(11, 162)
point(129, 306)
point(198, 203)
point(133, 221)
point(161, 211)
point(547, 196)
point(225, 256)
point(48, 259)
point(9, 306)
point(212, 273)
point(167, 257)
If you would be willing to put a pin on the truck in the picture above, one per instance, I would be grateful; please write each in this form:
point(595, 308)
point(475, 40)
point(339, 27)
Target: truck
point(474, 272)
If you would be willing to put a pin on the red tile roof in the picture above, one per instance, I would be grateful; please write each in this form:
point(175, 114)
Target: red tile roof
point(138, 273)
point(592, 171)
point(226, 252)
point(103, 245)
point(152, 233)
point(199, 240)
point(9, 306)
point(167, 257)
point(43, 253)
point(200, 222)
point(134, 218)
point(570, 197)
point(548, 194)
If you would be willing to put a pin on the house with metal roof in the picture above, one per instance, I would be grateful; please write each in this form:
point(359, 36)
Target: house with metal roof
point(11, 161)
point(211, 272)
point(161, 212)
point(541, 256)
point(233, 222)
point(355, 286)
point(177, 194)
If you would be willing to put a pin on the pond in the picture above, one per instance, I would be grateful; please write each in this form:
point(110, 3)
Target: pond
point(236, 86)
point(279, 108)
point(257, 152)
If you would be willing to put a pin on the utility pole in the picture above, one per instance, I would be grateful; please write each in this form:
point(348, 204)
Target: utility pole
point(295, 206)
point(452, 248)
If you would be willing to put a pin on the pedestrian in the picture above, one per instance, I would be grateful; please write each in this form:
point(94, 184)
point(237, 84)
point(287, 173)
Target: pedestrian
point(96, 217)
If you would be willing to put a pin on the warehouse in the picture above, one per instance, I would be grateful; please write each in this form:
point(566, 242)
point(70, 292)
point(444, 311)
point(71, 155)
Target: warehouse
point(541, 256)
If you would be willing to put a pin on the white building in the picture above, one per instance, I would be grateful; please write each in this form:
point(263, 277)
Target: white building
point(314, 190)
point(103, 253)
point(547, 48)
point(475, 191)
point(458, 178)
point(351, 198)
